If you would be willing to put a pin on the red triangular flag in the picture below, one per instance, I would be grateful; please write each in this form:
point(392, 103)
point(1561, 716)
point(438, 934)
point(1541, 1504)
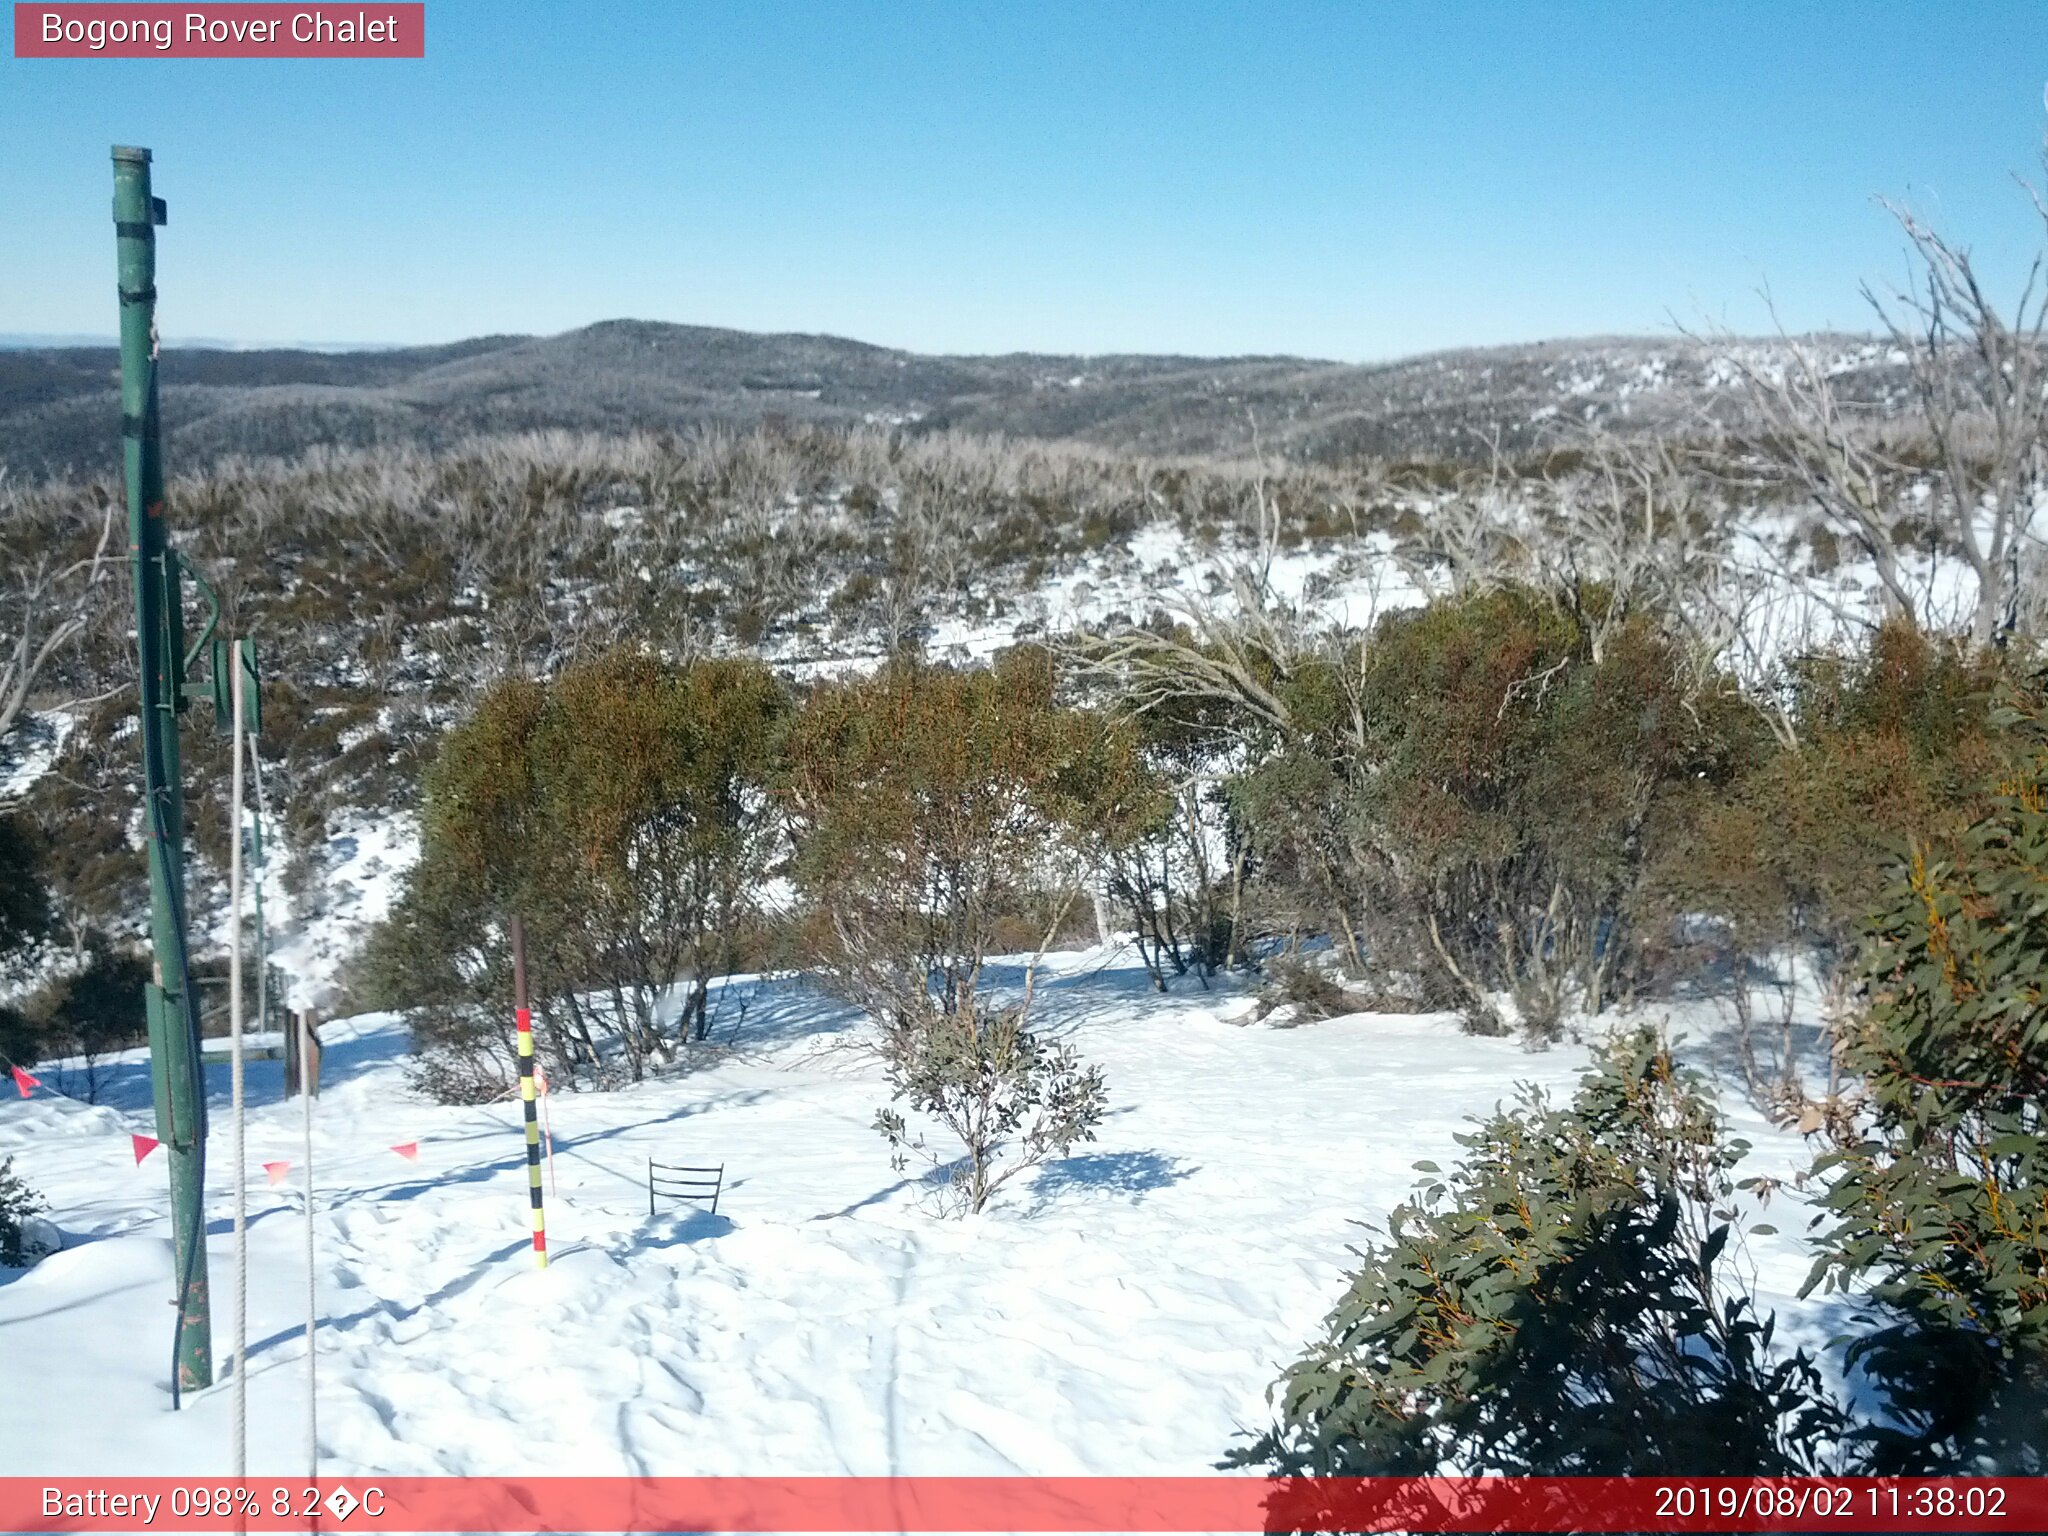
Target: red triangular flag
point(24, 1082)
point(409, 1150)
point(144, 1145)
point(277, 1171)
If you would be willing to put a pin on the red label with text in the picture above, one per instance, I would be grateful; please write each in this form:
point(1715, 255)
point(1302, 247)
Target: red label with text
point(238, 31)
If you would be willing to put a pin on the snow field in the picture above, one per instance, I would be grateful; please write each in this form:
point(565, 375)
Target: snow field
point(1121, 1312)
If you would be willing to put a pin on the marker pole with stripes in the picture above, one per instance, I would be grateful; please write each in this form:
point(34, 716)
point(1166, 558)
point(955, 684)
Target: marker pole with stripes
point(526, 1095)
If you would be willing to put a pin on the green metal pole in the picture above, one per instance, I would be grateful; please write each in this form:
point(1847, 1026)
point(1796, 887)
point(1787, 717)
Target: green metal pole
point(159, 632)
point(252, 722)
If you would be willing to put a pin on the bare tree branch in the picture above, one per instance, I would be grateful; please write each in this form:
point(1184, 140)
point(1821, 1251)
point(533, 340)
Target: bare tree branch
point(49, 609)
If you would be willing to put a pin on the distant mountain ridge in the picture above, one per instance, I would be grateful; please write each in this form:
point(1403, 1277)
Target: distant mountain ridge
point(59, 408)
point(17, 341)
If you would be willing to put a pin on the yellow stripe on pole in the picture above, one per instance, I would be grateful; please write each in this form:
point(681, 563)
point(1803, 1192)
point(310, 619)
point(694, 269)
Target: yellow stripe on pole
point(523, 1017)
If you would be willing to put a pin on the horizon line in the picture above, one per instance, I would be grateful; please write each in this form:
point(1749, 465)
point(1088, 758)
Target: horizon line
point(58, 341)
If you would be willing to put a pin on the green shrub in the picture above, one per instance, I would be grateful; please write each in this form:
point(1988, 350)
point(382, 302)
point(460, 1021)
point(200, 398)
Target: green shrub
point(932, 811)
point(18, 1205)
point(1890, 744)
point(1009, 1097)
point(1479, 791)
point(624, 811)
point(1789, 858)
point(1943, 1203)
point(1557, 1306)
point(1295, 812)
point(97, 1011)
point(930, 808)
point(21, 1038)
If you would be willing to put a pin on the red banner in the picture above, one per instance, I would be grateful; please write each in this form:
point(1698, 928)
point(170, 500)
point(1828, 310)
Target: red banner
point(236, 31)
point(974, 1504)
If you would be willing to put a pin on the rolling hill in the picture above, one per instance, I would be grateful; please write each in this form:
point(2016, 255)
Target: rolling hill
point(59, 407)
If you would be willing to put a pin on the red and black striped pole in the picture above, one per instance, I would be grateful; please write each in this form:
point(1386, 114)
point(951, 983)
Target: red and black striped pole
point(525, 1017)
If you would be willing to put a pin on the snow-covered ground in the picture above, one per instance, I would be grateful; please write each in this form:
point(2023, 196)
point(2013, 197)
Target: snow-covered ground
point(362, 868)
point(1121, 1311)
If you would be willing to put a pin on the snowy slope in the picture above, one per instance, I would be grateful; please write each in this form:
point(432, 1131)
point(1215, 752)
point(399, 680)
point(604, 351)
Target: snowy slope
point(1122, 1312)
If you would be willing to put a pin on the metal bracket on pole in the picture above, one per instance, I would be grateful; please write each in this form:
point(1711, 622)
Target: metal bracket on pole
point(208, 640)
point(217, 678)
point(252, 698)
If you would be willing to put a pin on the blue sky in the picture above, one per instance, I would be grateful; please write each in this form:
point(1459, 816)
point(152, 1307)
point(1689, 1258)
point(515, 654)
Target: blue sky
point(1351, 180)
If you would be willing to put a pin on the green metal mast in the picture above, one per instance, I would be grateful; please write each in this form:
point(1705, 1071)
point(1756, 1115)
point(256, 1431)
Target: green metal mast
point(159, 631)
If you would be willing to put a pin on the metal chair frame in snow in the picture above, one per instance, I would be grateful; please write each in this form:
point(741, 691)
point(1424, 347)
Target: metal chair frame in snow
point(676, 1181)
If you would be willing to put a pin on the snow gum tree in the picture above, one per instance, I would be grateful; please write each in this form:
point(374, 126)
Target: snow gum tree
point(1789, 858)
point(624, 809)
point(940, 818)
point(1470, 792)
point(1939, 1197)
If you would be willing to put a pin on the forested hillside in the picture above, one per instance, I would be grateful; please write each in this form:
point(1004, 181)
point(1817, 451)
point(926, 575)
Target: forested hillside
point(59, 413)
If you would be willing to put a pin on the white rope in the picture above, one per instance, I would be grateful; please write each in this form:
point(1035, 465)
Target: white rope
point(302, 1024)
point(235, 1040)
point(312, 1295)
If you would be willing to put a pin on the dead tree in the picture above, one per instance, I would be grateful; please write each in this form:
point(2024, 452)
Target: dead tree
point(42, 612)
point(1982, 396)
point(1627, 531)
point(1976, 435)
